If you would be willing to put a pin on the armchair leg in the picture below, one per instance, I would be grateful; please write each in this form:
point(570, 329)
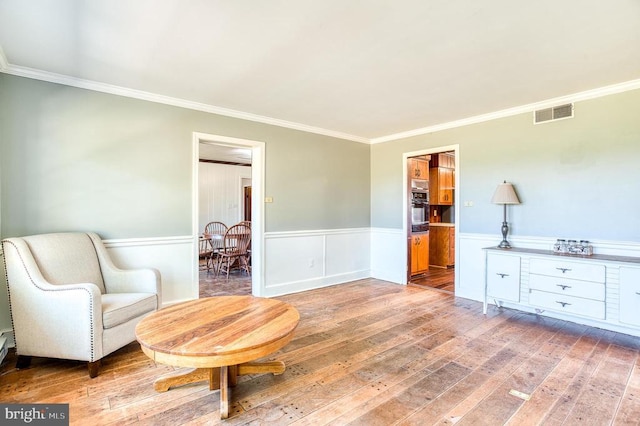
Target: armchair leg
point(23, 361)
point(94, 368)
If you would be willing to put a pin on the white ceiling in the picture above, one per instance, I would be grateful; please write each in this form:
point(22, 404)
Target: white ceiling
point(224, 153)
point(363, 70)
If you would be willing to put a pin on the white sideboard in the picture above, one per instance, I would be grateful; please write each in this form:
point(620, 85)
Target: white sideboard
point(598, 290)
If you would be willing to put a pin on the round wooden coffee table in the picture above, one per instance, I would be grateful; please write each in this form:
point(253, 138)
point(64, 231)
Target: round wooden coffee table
point(218, 337)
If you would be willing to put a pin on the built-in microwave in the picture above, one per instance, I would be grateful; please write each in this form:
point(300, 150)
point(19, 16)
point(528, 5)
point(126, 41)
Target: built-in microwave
point(419, 197)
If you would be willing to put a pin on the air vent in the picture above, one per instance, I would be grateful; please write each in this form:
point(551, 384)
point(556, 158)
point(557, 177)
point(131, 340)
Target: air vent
point(552, 114)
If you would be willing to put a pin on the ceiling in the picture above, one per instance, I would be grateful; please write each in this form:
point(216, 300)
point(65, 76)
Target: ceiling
point(224, 153)
point(363, 70)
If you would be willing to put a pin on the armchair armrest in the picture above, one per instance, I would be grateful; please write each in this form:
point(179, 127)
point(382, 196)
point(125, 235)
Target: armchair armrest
point(116, 280)
point(131, 280)
point(70, 315)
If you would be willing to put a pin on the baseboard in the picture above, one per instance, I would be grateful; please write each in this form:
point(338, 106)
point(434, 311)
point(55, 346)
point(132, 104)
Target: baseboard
point(314, 283)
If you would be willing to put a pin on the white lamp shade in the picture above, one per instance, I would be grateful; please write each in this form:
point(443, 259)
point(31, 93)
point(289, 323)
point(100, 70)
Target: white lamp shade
point(505, 194)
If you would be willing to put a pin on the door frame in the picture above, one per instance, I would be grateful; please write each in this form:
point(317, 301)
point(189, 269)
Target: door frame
point(406, 221)
point(257, 195)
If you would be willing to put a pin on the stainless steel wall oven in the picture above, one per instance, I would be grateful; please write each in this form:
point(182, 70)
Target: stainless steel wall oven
point(419, 211)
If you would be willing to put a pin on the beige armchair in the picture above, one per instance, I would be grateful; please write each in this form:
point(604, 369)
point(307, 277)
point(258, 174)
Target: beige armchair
point(68, 300)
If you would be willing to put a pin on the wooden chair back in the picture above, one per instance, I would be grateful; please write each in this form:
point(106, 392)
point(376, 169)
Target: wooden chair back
point(214, 232)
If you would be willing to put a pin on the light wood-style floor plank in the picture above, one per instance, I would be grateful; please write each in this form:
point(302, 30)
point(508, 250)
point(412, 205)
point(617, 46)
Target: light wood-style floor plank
point(372, 353)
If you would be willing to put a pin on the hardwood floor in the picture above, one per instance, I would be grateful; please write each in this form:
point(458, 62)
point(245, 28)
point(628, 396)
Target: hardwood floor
point(374, 353)
point(440, 278)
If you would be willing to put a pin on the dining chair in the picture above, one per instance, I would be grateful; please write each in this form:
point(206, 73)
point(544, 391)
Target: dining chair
point(214, 234)
point(236, 244)
point(205, 253)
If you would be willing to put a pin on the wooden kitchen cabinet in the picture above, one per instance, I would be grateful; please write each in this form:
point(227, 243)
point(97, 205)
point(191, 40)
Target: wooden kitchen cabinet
point(419, 253)
point(418, 168)
point(442, 246)
point(441, 185)
point(452, 246)
point(444, 159)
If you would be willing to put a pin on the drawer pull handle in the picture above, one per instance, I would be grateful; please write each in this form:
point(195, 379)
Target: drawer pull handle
point(563, 303)
point(564, 287)
point(638, 293)
point(502, 275)
point(563, 269)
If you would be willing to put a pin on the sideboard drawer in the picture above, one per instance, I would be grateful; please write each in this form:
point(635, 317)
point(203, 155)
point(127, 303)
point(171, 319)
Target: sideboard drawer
point(568, 304)
point(567, 269)
point(586, 289)
point(503, 277)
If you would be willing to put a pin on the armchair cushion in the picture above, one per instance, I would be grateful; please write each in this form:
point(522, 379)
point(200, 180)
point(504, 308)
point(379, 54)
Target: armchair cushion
point(118, 308)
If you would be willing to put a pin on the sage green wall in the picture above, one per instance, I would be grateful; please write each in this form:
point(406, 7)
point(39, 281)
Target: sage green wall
point(576, 178)
point(74, 159)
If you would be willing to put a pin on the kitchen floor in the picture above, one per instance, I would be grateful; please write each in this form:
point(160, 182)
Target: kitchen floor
point(438, 278)
point(239, 283)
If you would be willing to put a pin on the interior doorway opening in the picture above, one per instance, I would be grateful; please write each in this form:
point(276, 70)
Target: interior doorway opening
point(246, 200)
point(228, 183)
point(431, 210)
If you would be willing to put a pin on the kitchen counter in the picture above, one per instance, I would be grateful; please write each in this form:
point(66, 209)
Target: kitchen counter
point(450, 225)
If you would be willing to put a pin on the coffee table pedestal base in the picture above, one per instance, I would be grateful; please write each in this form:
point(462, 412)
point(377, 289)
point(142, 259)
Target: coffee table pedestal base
point(219, 378)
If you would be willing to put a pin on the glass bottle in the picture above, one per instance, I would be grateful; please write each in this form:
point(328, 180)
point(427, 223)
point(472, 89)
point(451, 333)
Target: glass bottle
point(587, 249)
point(560, 245)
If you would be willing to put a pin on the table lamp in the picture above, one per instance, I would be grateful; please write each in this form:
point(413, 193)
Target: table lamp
point(505, 194)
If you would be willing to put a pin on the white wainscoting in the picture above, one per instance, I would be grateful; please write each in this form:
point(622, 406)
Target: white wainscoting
point(174, 257)
point(220, 193)
point(304, 260)
point(389, 255)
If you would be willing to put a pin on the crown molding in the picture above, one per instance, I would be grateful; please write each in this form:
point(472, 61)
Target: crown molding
point(167, 100)
point(7, 68)
point(576, 97)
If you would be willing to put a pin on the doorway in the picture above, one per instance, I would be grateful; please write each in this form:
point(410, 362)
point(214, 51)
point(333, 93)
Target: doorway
point(246, 200)
point(254, 284)
point(430, 216)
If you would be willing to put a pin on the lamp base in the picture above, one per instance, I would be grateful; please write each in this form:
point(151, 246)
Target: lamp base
point(504, 244)
point(505, 230)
